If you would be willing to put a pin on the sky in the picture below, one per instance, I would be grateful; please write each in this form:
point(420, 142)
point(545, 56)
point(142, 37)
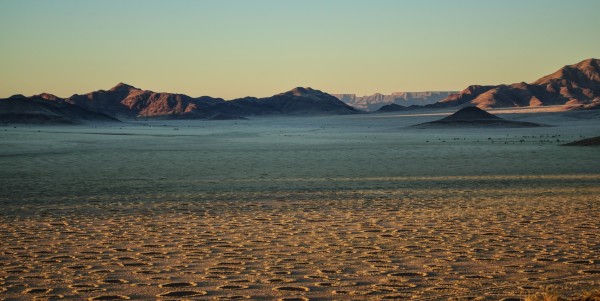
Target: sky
point(236, 48)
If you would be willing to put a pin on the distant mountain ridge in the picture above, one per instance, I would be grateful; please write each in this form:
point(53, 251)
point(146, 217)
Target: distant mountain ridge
point(124, 102)
point(377, 100)
point(128, 102)
point(39, 110)
point(298, 101)
point(577, 86)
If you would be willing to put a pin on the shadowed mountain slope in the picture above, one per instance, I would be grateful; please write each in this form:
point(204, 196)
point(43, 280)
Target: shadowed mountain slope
point(39, 110)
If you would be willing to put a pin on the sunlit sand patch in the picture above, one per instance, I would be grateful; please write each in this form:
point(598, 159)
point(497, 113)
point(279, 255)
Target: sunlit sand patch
point(88, 290)
point(233, 287)
point(477, 277)
point(37, 291)
point(233, 297)
point(145, 272)
point(141, 284)
point(293, 299)
point(408, 274)
point(115, 281)
point(292, 288)
point(220, 277)
point(134, 264)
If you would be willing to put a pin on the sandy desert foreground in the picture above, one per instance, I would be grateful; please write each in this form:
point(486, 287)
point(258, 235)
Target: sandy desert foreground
point(359, 245)
point(368, 211)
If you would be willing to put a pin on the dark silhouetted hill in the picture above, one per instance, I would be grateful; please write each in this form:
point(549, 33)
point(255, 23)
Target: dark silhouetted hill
point(474, 117)
point(39, 110)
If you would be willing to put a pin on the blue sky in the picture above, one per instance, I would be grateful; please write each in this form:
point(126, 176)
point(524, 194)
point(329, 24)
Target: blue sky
point(229, 48)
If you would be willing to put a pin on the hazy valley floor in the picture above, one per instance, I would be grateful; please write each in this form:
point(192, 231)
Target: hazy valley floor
point(324, 208)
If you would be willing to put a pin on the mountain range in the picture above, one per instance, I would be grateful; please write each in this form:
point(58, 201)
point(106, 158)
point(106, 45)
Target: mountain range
point(574, 86)
point(377, 100)
point(126, 102)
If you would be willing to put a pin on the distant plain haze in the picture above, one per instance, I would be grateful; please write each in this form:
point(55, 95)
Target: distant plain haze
point(236, 48)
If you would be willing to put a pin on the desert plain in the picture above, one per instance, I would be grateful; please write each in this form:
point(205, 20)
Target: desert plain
point(358, 207)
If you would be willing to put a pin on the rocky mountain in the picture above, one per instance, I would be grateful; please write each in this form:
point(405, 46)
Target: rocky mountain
point(127, 102)
point(124, 101)
point(576, 86)
point(39, 110)
point(376, 101)
point(472, 116)
point(299, 101)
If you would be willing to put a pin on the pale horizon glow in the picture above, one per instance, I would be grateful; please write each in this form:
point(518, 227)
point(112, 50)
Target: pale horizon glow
point(236, 48)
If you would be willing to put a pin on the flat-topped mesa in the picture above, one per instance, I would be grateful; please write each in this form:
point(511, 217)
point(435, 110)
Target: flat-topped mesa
point(376, 101)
